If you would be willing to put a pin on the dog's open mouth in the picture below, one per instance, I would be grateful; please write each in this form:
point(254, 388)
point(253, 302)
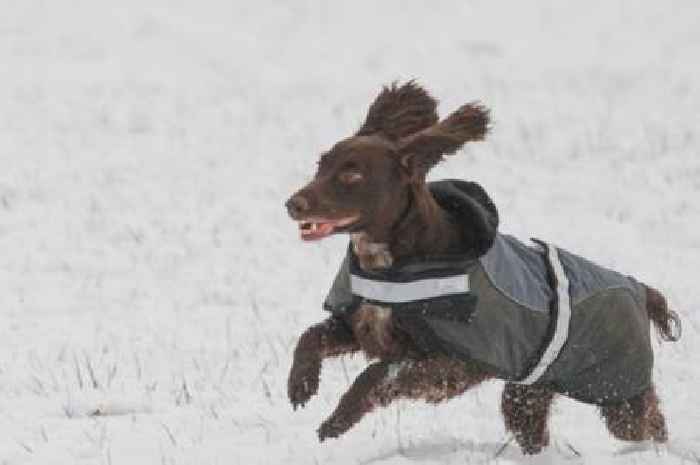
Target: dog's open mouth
point(313, 229)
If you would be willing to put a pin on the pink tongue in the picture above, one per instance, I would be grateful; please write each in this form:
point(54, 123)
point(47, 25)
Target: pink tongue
point(324, 228)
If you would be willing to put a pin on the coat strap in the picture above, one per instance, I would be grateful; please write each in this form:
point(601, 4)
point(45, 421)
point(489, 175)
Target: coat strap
point(561, 316)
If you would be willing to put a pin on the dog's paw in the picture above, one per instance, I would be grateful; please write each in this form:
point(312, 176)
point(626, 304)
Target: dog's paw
point(302, 385)
point(532, 444)
point(531, 449)
point(332, 428)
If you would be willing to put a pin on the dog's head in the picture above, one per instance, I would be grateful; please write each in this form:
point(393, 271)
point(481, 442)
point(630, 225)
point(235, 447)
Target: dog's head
point(363, 183)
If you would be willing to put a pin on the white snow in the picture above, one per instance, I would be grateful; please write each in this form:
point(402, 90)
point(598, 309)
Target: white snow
point(152, 287)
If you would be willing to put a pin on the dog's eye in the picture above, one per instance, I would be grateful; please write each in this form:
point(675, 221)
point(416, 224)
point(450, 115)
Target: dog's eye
point(350, 177)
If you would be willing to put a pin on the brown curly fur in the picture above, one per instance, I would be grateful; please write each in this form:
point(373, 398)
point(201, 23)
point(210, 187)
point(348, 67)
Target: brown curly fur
point(402, 126)
point(525, 410)
point(667, 322)
point(329, 338)
point(426, 148)
point(374, 330)
point(399, 111)
point(433, 380)
point(636, 419)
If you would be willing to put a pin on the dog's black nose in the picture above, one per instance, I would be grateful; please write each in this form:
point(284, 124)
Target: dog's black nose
point(297, 206)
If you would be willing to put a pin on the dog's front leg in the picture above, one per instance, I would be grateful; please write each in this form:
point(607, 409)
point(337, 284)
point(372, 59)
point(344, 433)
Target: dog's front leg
point(329, 338)
point(364, 395)
point(431, 379)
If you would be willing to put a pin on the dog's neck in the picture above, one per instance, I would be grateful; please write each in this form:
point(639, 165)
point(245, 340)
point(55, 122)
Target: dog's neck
point(424, 229)
point(371, 255)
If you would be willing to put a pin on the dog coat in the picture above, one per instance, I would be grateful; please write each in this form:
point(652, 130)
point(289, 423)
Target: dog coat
point(531, 313)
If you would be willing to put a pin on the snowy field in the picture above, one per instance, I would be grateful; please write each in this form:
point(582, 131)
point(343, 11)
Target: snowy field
point(152, 287)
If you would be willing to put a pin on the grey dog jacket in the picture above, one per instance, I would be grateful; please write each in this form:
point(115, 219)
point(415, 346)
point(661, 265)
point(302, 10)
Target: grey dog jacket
point(530, 313)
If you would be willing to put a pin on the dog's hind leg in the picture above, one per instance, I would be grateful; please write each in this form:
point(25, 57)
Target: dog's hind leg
point(636, 419)
point(525, 411)
point(433, 379)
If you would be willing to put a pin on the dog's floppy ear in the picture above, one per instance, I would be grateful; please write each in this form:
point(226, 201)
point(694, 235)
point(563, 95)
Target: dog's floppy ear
point(399, 111)
point(423, 150)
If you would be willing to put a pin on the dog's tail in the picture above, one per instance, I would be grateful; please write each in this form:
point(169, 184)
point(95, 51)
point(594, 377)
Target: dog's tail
point(667, 322)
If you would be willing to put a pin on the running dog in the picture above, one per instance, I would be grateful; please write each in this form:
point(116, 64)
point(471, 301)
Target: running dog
point(441, 301)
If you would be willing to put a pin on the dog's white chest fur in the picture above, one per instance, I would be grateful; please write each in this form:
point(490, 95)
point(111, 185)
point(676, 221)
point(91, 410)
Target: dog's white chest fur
point(372, 255)
point(372, 323)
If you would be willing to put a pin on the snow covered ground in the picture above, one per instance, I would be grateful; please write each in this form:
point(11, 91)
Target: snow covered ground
point(152, 287)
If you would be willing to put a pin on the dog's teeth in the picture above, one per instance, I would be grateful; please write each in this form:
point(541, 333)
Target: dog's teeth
point(314, 226)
